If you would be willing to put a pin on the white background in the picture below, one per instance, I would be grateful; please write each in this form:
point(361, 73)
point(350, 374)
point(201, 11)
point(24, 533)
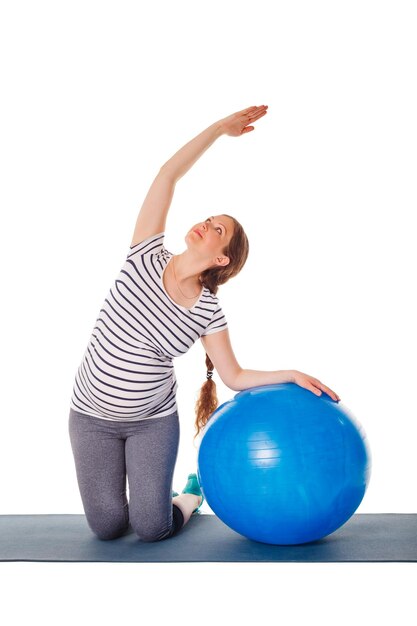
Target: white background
point(96, 97)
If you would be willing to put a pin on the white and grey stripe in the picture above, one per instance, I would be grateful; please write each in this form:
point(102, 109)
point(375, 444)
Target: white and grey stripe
point(127, 372)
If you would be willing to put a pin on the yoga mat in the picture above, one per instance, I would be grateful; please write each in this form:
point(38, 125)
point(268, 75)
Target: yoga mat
point(363, 538)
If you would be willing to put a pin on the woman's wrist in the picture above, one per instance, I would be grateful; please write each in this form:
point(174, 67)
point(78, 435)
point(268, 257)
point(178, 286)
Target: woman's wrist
point(220, 127)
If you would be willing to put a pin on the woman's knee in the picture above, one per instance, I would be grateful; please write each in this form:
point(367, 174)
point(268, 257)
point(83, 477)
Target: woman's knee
point(112, 533)
point(151, 530)
point(152, 533)
point(107, 526)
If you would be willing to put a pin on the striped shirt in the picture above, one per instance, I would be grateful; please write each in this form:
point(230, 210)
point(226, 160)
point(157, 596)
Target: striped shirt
point(127, 372)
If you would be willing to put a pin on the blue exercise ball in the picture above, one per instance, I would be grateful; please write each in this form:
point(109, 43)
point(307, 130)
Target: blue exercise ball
point(281, 465)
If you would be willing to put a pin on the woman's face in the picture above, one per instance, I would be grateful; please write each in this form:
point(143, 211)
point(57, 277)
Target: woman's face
point(213, 234)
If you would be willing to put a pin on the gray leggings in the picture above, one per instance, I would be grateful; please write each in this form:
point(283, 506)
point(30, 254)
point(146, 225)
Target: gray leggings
point(105, 452)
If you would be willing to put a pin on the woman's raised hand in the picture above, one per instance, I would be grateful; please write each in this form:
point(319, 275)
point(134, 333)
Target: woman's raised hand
point(238, 123)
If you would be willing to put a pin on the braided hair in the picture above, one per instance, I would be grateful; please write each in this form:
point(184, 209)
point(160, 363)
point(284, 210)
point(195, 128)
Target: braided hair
point(237, 250)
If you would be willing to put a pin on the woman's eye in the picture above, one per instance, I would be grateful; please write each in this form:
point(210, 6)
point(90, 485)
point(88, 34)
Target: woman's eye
point(218, 227)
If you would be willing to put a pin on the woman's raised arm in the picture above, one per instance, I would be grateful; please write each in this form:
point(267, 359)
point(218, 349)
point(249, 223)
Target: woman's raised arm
point(234, 125)
point(153, 213)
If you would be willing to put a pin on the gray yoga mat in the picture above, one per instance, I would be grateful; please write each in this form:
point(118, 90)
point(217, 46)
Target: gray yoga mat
point(364, 537)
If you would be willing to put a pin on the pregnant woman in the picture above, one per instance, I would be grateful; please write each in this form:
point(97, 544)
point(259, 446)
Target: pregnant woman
point(123, 421)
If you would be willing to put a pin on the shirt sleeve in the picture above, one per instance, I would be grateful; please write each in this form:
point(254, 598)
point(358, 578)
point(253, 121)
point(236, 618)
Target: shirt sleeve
point(217, 323)
point(152, 244)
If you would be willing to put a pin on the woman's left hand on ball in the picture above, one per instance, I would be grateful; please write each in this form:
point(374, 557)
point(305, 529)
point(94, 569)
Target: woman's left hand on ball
point(312, 384)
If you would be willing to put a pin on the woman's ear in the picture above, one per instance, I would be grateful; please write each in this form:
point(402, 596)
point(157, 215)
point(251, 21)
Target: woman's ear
point(224, 260)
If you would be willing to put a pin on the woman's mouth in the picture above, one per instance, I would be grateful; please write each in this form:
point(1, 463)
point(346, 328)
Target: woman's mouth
point(198, 232)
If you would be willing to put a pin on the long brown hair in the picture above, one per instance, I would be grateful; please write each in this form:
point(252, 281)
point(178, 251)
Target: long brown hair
point(237, 250)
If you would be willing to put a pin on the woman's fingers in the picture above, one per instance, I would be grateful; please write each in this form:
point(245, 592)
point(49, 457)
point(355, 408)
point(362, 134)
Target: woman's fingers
point(257, 116)
point(317, 387)
point(247, 111)
point(237, 123)
point(329, 391)
point(254, 112)
point(250, 118)
point(314, 388)
point(314, 385)
point(257, 113)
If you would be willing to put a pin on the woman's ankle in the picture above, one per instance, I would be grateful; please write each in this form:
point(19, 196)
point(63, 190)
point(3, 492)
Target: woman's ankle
point(187, 502)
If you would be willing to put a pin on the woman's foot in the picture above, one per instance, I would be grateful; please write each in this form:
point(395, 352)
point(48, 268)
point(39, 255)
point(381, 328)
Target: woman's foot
point(193, 487)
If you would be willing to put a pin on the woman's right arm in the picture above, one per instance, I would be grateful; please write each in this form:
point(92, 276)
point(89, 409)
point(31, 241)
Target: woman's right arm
point(234, 125)
point(153, 213)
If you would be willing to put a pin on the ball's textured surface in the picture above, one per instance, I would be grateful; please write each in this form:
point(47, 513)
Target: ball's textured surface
point(280, 465)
